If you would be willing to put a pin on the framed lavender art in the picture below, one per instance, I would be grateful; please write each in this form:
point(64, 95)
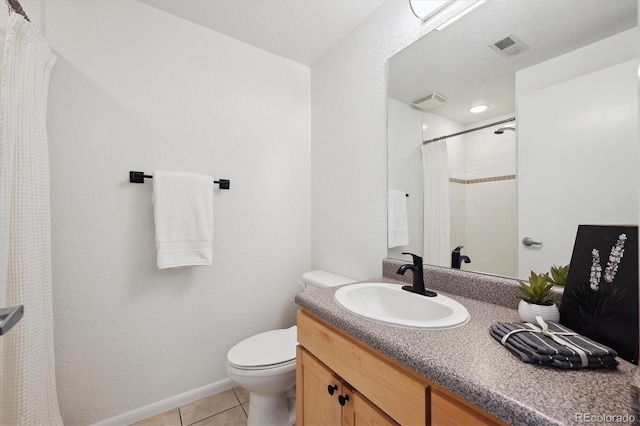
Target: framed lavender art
point(600, 299)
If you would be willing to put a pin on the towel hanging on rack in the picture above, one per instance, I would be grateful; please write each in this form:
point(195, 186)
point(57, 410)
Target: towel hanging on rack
point(183, 213)
point(397, 219)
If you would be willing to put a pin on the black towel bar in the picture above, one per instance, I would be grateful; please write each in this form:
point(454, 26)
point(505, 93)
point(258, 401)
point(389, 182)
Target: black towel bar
point(138, 177)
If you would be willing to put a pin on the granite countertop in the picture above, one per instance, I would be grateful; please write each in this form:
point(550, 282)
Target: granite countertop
point(469, 362)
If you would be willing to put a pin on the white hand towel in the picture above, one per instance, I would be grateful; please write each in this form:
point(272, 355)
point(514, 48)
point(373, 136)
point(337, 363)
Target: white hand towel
point(397, 223)
point(183, 212)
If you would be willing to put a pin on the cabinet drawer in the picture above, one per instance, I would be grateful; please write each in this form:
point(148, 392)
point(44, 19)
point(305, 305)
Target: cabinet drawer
point(382, 381)
point(450, 410)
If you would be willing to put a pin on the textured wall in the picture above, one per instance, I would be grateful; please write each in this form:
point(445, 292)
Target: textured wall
point(349, 142)
point(138, 89)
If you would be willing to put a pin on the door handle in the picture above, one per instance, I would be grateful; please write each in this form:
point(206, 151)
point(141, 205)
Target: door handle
point(529, 242)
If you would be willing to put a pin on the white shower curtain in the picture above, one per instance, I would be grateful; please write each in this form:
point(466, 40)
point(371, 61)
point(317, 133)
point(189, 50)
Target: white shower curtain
point(28, 389)
point(437, 220)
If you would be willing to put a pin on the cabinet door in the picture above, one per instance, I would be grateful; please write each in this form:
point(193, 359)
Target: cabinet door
point(367, 414)
point(316, 405)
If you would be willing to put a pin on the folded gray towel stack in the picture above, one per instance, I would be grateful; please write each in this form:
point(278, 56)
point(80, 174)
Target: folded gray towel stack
point(556, 346)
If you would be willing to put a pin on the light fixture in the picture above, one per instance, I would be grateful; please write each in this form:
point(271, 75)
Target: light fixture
point(425, 9)
point(460, 15)
point(477, 109)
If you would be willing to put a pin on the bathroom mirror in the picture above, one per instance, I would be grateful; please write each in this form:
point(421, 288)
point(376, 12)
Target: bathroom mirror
point(567, 71)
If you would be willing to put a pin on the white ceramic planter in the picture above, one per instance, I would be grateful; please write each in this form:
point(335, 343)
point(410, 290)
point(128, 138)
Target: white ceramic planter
point(529, 311)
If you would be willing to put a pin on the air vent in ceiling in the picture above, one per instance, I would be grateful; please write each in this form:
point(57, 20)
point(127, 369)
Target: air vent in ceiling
point(509, 46)
point(430, 101)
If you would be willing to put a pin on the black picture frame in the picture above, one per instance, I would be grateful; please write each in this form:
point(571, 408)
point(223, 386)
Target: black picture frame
point(600, 299)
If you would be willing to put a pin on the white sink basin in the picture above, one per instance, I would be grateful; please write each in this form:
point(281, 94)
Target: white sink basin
point(389, 304)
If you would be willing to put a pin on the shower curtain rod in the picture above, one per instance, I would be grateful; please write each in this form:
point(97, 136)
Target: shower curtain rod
point(16, 7)
point(469, 131)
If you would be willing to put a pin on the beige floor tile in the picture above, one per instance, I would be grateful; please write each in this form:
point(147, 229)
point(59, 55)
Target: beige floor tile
point(207, 407)
point(232, 417)
point(242, 394)
point(245, 406)
point(168, 418)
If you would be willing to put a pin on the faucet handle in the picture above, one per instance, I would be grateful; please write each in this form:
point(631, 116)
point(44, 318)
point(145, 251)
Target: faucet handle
point(417, 260)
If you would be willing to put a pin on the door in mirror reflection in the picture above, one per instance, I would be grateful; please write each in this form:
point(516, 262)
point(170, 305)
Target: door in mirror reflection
point(579, 139)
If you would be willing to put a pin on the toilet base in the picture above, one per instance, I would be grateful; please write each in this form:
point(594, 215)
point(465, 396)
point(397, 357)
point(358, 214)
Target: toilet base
point(271, 410)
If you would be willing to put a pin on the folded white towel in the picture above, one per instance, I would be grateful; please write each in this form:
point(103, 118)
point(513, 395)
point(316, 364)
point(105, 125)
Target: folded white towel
point(397, 223)
point(183, 211)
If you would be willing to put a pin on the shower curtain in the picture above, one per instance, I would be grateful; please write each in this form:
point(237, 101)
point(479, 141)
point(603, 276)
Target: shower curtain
point(28, 389)
point(437, 221)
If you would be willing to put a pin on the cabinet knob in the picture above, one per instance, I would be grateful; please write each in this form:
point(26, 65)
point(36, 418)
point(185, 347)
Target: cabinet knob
point(342, 399)
point(332, 389)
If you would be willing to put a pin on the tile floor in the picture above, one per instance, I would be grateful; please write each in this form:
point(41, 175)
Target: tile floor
point(228, 408)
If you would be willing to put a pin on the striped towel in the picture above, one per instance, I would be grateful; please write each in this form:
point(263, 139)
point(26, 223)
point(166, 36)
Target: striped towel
point(554, 345)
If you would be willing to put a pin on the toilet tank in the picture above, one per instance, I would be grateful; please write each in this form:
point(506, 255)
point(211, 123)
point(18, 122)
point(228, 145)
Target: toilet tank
point(313, 280)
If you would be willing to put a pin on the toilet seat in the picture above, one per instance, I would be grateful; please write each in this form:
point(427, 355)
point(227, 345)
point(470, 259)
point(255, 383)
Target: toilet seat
point(268, 350)
point(263, 367)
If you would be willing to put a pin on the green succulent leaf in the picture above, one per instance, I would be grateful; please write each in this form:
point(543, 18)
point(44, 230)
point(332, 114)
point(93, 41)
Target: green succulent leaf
point(537, 290)
point(559, 274)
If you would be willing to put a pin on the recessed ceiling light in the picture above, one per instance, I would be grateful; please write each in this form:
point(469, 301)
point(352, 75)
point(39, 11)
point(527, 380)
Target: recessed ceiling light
point(478, 109)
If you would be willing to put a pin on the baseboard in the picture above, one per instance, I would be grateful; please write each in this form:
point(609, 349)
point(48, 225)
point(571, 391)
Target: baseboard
point(167, 404)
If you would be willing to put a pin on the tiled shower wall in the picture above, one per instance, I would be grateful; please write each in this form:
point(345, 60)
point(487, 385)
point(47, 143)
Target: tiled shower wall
point(483, 195)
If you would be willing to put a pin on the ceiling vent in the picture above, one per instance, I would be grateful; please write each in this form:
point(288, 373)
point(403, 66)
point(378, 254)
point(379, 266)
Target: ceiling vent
point(509, 46)
point(430, 101)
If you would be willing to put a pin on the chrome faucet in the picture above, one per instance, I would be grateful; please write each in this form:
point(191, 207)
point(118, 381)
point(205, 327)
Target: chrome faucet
point(418, 279)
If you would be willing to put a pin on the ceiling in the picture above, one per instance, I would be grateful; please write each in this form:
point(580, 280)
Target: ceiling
point(301, 30)
point(458, 63)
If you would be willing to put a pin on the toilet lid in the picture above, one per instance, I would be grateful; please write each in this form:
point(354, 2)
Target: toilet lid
point(264, 349)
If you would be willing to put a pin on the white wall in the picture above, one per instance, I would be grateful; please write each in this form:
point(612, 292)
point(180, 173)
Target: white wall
point(349, 142)
point(137, 89)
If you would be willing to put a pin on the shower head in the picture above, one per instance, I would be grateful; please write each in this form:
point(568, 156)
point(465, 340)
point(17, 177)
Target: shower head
point(502, 129)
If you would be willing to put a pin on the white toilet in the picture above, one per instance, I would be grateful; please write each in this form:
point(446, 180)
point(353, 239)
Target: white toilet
point(265, 364)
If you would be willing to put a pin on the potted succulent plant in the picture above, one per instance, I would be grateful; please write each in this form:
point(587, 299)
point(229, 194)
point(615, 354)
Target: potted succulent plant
point(559, 275)
point(535, 300)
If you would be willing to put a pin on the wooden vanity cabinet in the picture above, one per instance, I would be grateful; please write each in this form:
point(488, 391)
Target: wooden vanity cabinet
point(342, 381)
